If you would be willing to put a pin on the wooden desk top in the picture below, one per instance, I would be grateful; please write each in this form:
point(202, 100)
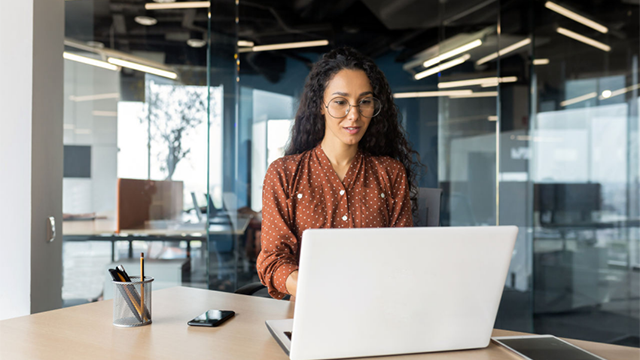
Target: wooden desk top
point(85, 332)
point(107, 227)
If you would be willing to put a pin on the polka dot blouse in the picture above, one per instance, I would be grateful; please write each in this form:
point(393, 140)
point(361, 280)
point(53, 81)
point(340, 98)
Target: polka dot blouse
point(304, 192)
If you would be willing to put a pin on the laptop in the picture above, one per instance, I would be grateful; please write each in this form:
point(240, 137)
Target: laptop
point(387, 291)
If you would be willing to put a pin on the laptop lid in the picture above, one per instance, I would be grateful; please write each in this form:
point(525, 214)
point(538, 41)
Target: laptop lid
point(373, 292)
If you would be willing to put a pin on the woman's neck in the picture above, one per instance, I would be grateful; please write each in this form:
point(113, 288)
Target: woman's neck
point(339, 153)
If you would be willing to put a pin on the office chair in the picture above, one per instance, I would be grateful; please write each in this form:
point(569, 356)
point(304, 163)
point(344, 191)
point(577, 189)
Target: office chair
point(429, 201)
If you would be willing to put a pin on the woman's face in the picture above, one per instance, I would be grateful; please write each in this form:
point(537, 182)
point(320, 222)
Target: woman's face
point(352, 87)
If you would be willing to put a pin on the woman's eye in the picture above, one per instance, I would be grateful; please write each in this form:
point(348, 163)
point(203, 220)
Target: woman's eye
point(339, 102)
point(366, 102)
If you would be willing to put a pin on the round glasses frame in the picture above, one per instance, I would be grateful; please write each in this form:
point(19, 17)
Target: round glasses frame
point(350, 106)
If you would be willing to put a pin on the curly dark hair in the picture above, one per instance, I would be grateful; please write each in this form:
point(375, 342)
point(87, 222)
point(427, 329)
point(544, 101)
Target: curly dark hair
point(384, 136)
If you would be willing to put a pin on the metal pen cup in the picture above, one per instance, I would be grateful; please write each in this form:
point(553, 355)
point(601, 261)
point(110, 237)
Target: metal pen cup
point(128, 304)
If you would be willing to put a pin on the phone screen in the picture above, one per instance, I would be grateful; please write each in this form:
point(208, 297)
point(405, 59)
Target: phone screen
point(547, 348)
point(212, 318)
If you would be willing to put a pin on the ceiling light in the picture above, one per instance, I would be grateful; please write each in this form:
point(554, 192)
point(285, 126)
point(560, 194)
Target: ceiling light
point(504, 51)
point(144, 68)
point(606, 94)
point(245, 43)
point(94, 97)
point(443, 66)
point(145, 20)
point(493, 118)
point(89, 61)
point(584, 39)
point(476, 95)
point(573, 16)
point(540, 61)
point(452, 53)
point(293, 45)
point(490, 81)
point(579, 99)
point(420, 94)
point(196, 43)
point(177, 5)
point(619, 91)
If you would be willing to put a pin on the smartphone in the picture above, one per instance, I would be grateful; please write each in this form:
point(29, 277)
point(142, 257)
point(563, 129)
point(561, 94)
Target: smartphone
point(212, 318)
point(544, 347)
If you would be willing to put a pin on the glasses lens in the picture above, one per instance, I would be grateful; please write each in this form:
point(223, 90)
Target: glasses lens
point(338, 107)
point(369, 107)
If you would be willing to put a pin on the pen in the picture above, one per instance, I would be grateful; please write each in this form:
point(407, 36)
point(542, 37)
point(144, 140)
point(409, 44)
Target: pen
point(144, 318)
point(126, 295)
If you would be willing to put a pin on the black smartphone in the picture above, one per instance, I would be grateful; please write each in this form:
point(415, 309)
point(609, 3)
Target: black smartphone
point(212, 318)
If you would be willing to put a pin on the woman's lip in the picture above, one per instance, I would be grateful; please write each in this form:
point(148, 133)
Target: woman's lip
point(352, 129)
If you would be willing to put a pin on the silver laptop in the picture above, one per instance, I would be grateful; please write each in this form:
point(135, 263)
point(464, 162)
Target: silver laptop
point(373, 292)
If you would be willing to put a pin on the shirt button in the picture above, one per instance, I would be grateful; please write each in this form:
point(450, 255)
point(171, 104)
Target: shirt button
point(299, 196)
point(344, 218)
point(382, 195)
point(341, 192)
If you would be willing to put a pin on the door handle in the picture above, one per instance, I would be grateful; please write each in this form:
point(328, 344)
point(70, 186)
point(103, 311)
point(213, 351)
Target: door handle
point(51, 230)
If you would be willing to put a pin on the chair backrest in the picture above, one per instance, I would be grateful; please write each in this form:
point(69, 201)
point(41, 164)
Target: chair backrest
point(429, 201)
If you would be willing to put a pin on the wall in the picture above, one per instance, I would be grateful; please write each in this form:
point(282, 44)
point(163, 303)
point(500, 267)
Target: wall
point(31, 155)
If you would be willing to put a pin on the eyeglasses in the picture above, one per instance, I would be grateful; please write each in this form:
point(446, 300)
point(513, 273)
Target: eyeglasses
point(339, 107)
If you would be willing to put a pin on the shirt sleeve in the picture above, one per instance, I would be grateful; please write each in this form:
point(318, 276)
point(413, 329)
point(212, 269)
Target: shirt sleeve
point(278, 257)
point(401, 215)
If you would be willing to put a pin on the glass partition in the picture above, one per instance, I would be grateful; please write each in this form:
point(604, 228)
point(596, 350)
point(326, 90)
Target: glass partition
point(583, 144)
point(136, 124)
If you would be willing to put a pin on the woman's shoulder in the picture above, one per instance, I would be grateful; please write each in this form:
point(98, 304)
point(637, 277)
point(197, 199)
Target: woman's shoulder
point(386, 163)
point(287, 164)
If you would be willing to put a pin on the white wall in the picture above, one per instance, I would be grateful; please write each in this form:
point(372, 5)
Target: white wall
point(30, 154)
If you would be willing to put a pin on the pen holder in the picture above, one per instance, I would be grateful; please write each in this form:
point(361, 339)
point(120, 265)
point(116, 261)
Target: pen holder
point(128, 304)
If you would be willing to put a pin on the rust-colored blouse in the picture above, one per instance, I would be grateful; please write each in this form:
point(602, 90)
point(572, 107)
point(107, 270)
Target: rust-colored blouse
point(304, 192)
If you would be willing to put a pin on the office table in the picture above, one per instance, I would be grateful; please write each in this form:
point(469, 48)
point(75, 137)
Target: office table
point(104, 229)
point(85, 332)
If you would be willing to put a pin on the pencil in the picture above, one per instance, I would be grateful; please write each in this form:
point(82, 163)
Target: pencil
point(144, 317)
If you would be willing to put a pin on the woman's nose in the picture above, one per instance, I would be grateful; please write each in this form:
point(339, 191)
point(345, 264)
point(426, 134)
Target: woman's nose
point(353, 114)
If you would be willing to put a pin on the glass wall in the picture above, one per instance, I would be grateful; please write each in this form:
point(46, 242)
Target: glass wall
point(139, 117)
point(583, 144)
point(518, 121)
point(523, 112)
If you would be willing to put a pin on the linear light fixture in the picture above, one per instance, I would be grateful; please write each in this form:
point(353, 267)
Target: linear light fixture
point(293, 45)
point(144, 68)
point(94, 97)
point(504, 51)
point(104, 113)
point(452, 53)
point(245, 43)
point(540, 61)
point(420, 94)
point(490, 81)
point(177, 5)
point(576, 17)
point(89, 61)
point(578, 99)
point(618, 92)
point(443, 66)
point(493, 118)
point(476, 95)
point(584, 39)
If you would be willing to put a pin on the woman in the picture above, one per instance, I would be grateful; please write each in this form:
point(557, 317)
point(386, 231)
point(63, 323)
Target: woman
point(347, 165)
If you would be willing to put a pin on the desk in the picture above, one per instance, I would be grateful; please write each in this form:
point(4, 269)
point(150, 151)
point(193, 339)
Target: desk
point(104, 229)
point(85, 332)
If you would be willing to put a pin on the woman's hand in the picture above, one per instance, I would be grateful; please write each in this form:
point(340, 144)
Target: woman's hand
point(292, 283)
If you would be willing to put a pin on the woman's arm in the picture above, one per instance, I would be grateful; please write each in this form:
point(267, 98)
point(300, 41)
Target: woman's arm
point(278, 257)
